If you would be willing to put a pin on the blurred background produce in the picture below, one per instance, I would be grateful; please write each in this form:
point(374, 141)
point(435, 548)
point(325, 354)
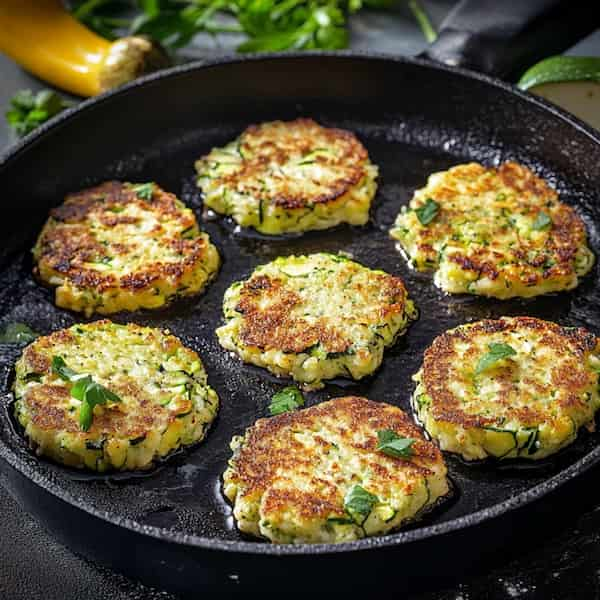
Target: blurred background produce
point(572, 82)
point(85, 47)
point(101, 44)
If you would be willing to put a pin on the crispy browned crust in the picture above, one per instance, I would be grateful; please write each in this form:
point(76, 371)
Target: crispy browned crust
point(265, 153)
point(277, 327)
point(441, 360)
point(68, 242)
point(270, 447)
point(45, 414)
point(44, 401)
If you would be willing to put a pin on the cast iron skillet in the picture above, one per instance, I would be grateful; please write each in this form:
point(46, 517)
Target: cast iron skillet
point(171, 527)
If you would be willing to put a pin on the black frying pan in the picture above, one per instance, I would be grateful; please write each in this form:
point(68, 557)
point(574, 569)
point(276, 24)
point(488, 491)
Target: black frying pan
point(171, 527)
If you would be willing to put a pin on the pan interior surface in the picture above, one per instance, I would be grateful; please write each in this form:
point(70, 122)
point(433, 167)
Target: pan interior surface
point(414, 119)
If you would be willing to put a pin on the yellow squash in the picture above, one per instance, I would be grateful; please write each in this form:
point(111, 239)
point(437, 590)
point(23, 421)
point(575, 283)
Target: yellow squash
point(46, 40)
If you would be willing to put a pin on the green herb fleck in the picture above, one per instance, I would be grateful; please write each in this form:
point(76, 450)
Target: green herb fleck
point(340, 520)
point(289, 398)
point(428, 212)
point(144, 190)
point(542, 221)
point(358, 503)
point(28, 110)
point(37, 377)
point(84, 389)
point(496, 352)
point(18, 333)
point(392, 444)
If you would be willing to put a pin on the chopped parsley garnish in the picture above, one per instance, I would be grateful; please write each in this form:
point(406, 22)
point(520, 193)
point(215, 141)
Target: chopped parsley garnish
point(28, 110)
point(542, 221)
point(428, 212)
point(84, 389)
point(496, 352)
point(18, 333)
point(392, 444)
point(144, 190)
point(358, 503)
point(289, 398)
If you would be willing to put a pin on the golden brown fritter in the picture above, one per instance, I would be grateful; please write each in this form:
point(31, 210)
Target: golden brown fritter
point(164, 400)
point(498, 232)
point(540, 384)
point(290, 176)
point(315, 317)
point(122, 246)
point(290, 475)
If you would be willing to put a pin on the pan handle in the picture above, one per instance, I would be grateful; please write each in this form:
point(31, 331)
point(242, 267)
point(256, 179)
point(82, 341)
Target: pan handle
point(503, 37)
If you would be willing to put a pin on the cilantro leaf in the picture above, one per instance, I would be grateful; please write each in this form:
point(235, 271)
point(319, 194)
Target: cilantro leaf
point(392, 444)
point(358, 503)
point(18, 333)
point(496, 352)
point(289, 398)
point(542, 221)
point(428, 212)
point(28, 110)
point(144, 190)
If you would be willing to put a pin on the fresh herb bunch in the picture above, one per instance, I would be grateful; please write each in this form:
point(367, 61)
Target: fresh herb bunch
point(269, 25)
point(28, 110)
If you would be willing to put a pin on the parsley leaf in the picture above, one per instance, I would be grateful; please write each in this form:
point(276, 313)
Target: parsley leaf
point(144, 190)
point(358, 503)
point(28, 110)
point(542, 221)
point(428, 212)
point(18, 333)
point(59, 367)
point(392, 444)
point(289, 398)
point(86, 415)
point(84, 389)
point(496, 352)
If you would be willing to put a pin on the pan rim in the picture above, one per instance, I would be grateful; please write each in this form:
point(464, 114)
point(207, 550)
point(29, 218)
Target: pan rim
point(254, 547)
point(20, 145)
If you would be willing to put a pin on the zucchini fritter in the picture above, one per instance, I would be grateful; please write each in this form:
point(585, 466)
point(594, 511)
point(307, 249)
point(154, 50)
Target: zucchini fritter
point(506, 388)
point(290, 176)
point(498, 232)
point(316, 475)
point(163, 399)
point(315, 317)
point(122, 247)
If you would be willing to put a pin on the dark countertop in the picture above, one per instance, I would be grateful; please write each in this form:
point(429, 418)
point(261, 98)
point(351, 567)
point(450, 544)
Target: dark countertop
point(562, 563)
